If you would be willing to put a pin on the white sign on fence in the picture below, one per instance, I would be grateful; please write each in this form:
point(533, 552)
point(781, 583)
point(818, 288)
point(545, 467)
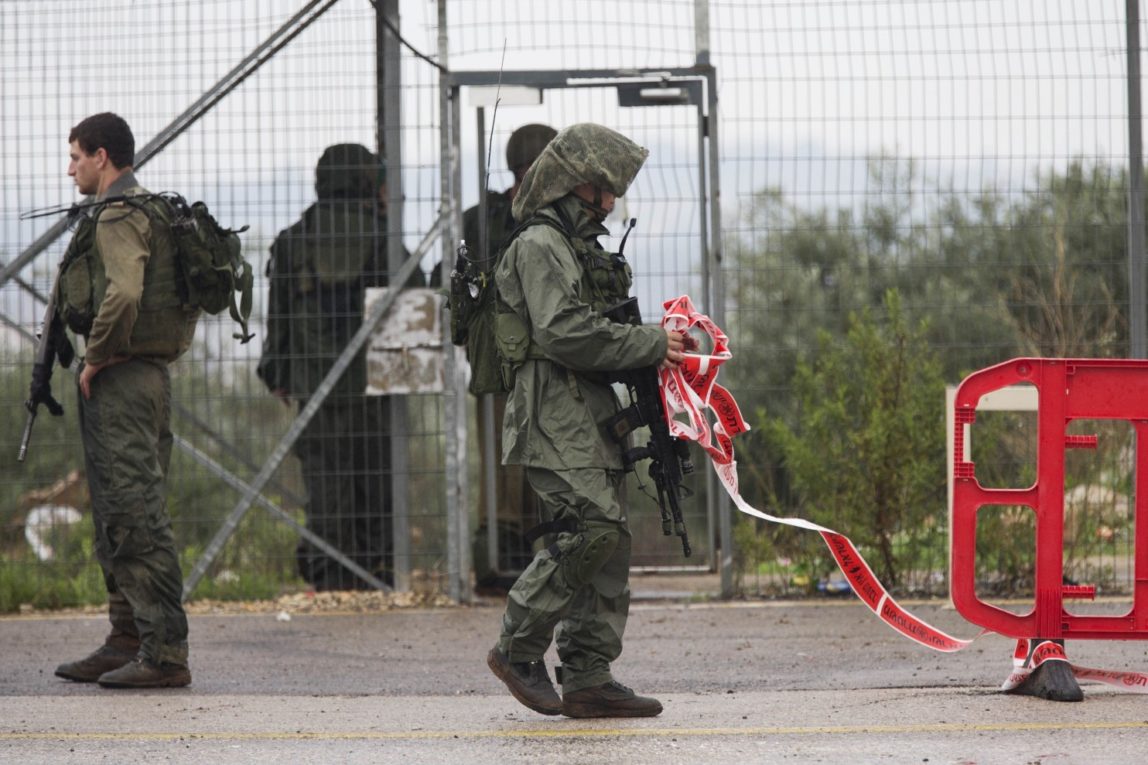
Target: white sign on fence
point(405, 353)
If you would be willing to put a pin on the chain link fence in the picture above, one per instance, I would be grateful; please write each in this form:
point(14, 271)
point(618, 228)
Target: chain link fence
point(868, 195)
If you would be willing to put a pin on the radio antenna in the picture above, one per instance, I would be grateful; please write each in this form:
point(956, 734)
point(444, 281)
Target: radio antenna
point(494, 116)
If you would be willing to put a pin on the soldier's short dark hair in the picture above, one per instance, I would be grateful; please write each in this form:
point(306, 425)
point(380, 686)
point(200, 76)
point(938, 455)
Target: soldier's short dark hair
point(524, 146)
point(109, 132)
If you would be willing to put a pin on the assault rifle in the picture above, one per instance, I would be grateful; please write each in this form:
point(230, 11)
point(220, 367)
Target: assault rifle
point(669, 456)
point(53, 345)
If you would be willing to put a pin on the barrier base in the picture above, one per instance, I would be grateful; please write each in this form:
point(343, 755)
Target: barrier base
point(1052, 678)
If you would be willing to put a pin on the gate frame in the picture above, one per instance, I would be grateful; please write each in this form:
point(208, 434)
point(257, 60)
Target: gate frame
point(676, 86)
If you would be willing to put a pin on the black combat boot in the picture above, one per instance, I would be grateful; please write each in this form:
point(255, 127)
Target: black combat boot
point(109, 656)
point(528, 682)
point(610, 699)
point(145, 673)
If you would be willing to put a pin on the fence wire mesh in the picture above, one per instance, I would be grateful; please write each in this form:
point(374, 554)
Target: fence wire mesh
point(910, 191)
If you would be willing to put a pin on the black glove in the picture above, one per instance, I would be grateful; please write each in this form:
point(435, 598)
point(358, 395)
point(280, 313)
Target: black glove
point(41, 391)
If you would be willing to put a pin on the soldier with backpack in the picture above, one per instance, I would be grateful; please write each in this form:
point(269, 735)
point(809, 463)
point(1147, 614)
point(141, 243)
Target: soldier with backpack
point(558, 352)
point(123, 297)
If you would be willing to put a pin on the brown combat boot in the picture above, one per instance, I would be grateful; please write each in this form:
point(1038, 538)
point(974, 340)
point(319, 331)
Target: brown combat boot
point(108, 657)
point(610, 699)
point(145, 673)
point(528, 682)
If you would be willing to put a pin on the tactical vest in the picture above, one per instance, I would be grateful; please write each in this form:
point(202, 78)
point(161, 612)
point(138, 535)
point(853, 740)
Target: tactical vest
point(332, 245)
point(324, 259)
point(606, 281)
point(164, 325)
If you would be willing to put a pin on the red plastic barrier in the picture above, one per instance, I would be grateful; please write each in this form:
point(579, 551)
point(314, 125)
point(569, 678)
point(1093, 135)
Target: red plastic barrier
point(1067, 389)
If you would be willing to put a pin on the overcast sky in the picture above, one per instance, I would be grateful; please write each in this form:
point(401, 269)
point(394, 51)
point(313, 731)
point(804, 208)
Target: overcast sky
point(978, 92)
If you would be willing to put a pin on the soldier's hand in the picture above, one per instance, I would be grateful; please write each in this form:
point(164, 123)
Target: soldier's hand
point(91, 370)
point(674, 349)
point(40, 391)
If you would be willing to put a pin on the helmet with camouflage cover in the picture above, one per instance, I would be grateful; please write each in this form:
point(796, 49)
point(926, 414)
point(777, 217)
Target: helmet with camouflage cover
point(525, 144)
point(347, 171)
point(582, 153)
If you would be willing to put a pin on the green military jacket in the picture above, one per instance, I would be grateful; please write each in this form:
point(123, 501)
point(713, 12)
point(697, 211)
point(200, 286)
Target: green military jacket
point(555, 412)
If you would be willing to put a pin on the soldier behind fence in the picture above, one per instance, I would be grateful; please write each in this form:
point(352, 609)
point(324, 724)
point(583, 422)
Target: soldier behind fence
point(319, 270)
point(555, 282)
point(517, 510)
point(118, 290)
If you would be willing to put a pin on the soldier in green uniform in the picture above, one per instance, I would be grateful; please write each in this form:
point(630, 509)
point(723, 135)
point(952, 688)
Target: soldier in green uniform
point(554, 283)
point(517, 506)
point(319, 270)
point(120, 293)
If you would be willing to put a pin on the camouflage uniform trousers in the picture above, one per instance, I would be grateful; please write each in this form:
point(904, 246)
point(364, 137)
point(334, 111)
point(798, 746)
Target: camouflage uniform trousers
point(344, 454)
point(126, 431)
point(581, 604)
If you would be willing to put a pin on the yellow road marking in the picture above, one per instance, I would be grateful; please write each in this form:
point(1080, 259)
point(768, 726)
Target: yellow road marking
point(560, 732)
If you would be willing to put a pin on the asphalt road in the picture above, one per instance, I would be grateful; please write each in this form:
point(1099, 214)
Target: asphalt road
point(741, 683)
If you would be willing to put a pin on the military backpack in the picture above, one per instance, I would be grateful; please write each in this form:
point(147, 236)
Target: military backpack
point(210, 271)
point(215, 275)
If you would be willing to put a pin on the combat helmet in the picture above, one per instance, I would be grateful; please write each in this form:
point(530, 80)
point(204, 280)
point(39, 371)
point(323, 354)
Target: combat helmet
point(582, 153)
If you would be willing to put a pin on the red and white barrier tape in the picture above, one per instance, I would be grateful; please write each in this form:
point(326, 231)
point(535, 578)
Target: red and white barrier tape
point(1047, 650)
point(691, 389)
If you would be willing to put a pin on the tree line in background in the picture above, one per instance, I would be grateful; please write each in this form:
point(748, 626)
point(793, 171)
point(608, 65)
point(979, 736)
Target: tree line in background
point(849, 323)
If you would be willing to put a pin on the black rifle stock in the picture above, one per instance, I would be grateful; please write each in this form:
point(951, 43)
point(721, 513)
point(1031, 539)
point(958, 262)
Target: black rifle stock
point(669, 456)
point(53, 345)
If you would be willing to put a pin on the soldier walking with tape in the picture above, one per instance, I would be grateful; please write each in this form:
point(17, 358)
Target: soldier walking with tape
point(559, 351)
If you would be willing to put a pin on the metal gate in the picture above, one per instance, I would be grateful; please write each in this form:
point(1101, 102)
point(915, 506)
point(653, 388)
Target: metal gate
point(673, 250)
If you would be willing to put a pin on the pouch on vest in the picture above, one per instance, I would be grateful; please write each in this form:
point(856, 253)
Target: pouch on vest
point(512, 341)
point(81, 285)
